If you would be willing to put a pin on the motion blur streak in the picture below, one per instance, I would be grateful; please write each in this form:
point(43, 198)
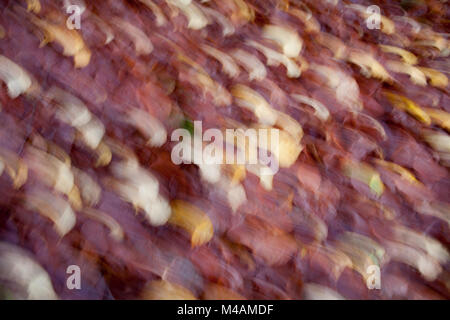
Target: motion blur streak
point(359, 208)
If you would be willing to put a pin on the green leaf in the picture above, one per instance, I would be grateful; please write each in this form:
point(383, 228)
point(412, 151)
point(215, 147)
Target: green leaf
point(188, 125)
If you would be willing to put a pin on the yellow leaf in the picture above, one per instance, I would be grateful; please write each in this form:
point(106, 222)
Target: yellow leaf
point(164, 290)
point(417, 76)
point(407, 56)
point(193, 220)
point(369, 64)
point(253, 101)
point(440, 117)
point(34, 6)
point(286, 38)
point(406, 174)
point(407, 105)
point(71, 41)
point(437, 78)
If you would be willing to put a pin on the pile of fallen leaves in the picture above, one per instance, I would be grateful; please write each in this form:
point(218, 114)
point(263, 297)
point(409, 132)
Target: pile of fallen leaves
point(85, 151)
